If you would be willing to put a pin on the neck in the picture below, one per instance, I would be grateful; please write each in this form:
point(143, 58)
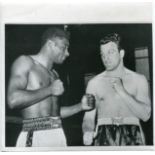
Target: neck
point(44, 60)
point(118, 72)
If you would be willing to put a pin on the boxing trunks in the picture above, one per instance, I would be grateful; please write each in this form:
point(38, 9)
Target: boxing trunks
point(42, 132)
point(119, 132)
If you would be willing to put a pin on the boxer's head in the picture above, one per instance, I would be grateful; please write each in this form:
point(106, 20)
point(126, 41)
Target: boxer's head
point(54, 33)
point(57, 42)
point(111, 51)
point(113, 37)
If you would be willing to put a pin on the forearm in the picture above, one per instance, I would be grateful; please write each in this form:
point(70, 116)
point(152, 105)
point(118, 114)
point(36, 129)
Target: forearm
point(89, 121)
point(88, 127)
point(140, 109)
point(25, 98)
point(70, 110)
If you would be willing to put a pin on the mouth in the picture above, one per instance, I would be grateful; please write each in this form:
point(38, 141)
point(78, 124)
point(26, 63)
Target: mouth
point(107, 63)
point(63, 59)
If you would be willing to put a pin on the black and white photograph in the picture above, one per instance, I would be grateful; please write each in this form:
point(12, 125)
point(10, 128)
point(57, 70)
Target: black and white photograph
point(84, 85)
point(80, 84)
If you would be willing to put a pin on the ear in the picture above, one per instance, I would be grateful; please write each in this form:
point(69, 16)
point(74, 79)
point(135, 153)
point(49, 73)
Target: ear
point(50, 44)
point(122, 53)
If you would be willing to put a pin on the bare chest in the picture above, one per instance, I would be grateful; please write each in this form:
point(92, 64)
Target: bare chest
point(110, 103)
point(39, 78)
point(106, 91)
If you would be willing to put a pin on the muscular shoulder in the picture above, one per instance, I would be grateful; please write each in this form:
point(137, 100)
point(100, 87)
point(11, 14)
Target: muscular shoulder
point(137, 78)
point(94, 84)
point(140, 79)
point(96, 80)
point(22, 63)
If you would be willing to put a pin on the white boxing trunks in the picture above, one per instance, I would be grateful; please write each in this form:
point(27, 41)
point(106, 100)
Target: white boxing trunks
point(42, 132)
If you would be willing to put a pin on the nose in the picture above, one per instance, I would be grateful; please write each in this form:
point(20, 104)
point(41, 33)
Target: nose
point(67, 53)
point(106, 57)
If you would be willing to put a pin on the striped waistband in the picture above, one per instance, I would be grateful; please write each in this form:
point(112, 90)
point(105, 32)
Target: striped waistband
point(118, 121)
point(41, 123)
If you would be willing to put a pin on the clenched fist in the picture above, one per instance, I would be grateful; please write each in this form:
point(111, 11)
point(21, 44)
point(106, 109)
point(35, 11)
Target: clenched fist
point(88, 102)
point(57, 88)
point(117, 84)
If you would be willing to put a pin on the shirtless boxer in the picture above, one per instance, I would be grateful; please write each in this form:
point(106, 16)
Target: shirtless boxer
point(122, 99)
point(34, 88)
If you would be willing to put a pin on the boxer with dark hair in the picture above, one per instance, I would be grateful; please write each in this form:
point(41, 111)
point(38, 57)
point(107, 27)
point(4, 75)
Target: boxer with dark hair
point(122, 100)
point(35, 87)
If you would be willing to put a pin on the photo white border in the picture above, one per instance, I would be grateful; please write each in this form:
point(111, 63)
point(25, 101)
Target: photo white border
point(46, 12)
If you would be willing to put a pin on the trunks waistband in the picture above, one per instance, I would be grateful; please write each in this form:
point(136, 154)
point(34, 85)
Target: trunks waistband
point(118, 121)
point(41, 123)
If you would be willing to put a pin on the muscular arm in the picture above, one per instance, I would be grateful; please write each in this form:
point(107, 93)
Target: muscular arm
point(140, 103)
point(70, 110)
point(88, 125)
point(89, 121)
point(18, 96)
point(87, 103)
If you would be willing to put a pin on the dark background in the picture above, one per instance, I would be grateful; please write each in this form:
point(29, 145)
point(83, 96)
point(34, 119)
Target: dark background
point(84, 58)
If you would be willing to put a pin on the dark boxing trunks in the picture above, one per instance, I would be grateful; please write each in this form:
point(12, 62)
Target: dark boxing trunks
point(116, 133)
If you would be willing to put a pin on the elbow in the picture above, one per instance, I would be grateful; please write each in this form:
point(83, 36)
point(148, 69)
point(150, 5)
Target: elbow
point(12, 102)
point(147, 115)
point(145, 119)
point(62, 113)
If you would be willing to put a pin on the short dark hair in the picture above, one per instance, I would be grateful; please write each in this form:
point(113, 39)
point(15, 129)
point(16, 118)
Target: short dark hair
point(113, 37)
point(52, 33)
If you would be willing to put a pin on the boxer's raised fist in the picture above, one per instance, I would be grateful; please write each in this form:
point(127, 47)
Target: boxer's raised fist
point(88, 102)
point(57, 88)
